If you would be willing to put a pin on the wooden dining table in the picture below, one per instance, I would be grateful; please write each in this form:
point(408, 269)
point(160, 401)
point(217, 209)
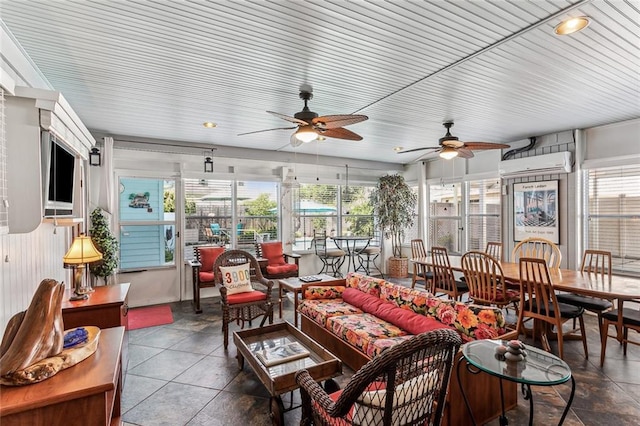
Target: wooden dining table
point(615, 287)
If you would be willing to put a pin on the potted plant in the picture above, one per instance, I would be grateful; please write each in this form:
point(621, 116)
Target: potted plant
point(106, 243)
point(394, 205)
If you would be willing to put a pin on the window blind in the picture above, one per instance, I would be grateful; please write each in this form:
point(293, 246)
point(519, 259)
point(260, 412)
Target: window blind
point(613, 215)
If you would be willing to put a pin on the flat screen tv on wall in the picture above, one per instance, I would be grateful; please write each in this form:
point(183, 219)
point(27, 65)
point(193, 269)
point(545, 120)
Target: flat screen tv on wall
point(59, 167)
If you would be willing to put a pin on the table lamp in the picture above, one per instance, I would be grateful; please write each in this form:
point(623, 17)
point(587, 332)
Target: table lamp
point(81, 252)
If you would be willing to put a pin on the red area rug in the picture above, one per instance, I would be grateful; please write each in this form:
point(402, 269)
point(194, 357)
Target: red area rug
point(149, 316)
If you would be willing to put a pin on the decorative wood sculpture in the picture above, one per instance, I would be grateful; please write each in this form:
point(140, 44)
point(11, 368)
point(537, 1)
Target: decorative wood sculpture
point(32, 345)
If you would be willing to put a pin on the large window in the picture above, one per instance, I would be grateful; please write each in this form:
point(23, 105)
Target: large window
point(613, 215)
point(445, 221)
point(209, 206)
point(147, 223)
point(334, 209)
point(483, 213)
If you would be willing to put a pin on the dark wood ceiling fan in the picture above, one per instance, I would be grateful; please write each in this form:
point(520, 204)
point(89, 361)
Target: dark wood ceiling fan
point(450, 146)
point(313, 127)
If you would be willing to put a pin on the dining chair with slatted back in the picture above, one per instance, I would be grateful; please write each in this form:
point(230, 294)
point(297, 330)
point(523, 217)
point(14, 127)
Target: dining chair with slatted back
point(624, 319)
point(538, 248)
point(420, 272)
point(484, 277)
point(444, 281)
point(494, 249)
point(538, 301)
point(595, 262)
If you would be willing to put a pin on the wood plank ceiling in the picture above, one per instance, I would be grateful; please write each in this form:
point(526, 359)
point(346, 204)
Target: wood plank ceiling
point(159, 69)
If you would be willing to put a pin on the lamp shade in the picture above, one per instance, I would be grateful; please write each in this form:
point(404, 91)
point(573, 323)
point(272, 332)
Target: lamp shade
point(82, 251)
point(448, 153)
point(306, 133)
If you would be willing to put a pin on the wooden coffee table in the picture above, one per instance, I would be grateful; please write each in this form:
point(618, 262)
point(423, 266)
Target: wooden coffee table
point(294, 285)
point(280, 378)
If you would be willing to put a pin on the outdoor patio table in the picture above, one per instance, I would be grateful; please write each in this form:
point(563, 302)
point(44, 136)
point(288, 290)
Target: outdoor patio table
point(349, 244)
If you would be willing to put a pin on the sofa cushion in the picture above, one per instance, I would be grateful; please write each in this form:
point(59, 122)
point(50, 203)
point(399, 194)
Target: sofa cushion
point(320, 310)
point(361, 329)
point(364, 283)
point(364, 301)
point(475, 322)
point(323, 292)
point(414, 299)
point(378, 346)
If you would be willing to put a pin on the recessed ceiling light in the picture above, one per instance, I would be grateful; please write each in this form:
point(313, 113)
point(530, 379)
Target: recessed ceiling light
point(398, 148)
point(572, 25)
point(209, 124)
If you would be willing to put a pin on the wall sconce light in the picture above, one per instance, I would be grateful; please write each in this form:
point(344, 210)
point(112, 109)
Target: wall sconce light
point(95, 157)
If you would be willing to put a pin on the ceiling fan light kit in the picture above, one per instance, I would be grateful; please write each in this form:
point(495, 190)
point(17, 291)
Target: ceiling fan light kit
point(313, 127)
point(450, 146)
point(306, 134)
point(448, 153)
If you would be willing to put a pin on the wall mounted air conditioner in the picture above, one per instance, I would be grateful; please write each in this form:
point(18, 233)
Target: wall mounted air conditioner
point(546, 164)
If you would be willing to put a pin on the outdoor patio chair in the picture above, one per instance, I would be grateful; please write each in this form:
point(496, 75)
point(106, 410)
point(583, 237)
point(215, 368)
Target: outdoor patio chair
point(278, 264)
point(245, 294)
point(202, 271)
point(332, 259)
point(404, 385)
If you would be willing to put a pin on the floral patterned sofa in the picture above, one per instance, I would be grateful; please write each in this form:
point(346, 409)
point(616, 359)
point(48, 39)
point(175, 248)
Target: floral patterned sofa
point(358, 317)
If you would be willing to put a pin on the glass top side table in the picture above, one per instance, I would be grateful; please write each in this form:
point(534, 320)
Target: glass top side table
point(539, 368)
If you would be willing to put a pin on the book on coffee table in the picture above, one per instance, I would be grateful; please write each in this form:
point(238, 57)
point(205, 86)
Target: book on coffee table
point(310, 279)
point(281, 354)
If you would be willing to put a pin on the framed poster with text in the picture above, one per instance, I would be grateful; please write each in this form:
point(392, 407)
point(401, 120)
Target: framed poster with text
point(535, 206)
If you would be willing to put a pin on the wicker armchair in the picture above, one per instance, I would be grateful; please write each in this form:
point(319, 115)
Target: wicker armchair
point(405, 385)
point(246, 306)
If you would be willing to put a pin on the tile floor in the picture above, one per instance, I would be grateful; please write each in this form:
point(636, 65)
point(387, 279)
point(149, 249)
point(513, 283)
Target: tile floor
point(179, 374)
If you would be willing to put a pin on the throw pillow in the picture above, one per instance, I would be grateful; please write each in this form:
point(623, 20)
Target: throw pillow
point(273, 253)
point(236, 279)
point(208, 256)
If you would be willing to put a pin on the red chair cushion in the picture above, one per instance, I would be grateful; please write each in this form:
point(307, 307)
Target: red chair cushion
point(205, 277)
point(246, 297)
point(282, 269)
point(273, 253)
point(208, 256)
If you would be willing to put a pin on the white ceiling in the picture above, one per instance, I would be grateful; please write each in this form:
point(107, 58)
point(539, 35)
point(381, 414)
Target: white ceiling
point(159, 69)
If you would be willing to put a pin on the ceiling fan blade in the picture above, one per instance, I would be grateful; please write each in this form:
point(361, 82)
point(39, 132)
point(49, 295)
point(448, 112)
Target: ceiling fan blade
point(341, 133)
point(478, 146)
point(267, 130)
point(335, 121)
point(418, 149)
point(464, 153)
point(288, 118)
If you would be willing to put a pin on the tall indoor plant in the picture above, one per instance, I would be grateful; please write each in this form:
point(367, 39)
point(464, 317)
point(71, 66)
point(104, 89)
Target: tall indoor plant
point(106, 243)
point(394, 205)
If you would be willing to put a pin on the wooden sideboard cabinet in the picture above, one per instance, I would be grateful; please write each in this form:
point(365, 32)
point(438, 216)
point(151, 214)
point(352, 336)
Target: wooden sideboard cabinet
point(106, 307)
point(86, 394)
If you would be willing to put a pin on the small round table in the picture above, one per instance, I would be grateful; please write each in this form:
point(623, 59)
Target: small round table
point(539, 368)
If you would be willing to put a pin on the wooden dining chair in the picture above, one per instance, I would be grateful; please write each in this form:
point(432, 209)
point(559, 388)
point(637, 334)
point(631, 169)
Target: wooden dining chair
point(538, 248)
point(624, 319)
point(494, 249)
point(597, 263)
point(420, 272)
point(484, 277)
point(538, 301)
point(444, 280)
